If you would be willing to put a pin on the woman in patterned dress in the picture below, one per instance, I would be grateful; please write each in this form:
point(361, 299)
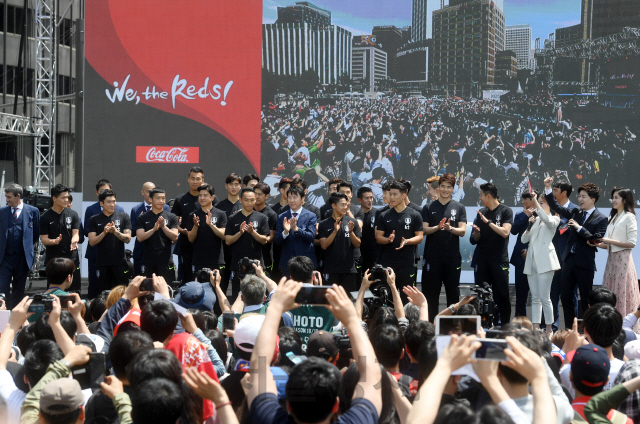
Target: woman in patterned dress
point(620, 273)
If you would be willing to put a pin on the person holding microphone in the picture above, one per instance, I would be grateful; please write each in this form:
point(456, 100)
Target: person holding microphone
point(621, 236)
point(541, 261)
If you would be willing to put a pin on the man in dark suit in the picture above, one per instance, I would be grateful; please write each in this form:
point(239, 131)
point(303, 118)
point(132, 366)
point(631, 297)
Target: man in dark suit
point(296, 230)
point(519, 254)
point(92, 251)
point(19, 233)
point(136, 211)
point(561, 191)
point(578, 257)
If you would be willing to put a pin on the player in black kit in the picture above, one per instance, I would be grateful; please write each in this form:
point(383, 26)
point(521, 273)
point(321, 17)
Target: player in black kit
point(207, 232)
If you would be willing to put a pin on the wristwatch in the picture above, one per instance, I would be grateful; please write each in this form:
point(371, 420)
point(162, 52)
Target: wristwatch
point(65, 362)
point(451, 307)
point(451, 229)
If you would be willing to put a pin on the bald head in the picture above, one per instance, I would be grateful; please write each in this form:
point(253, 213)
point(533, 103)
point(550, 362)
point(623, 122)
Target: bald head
point(146, 187)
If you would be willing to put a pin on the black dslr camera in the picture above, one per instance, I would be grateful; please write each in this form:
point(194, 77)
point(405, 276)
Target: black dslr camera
point(41, 303)
point(245, 266)
point(484, 303)
point(344, 347)
point(378, 273)
point(203, 275)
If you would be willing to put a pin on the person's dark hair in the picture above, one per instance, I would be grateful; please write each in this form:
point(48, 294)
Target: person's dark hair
point(350, 381)
point(26, 337)
point(15, 189)
point(249, 177)
point(387, 185)
point(312, 389)
point(363, 190)
point(218, 343)
point(627, 198)
point(347, 185)
point(617, 348)
point(288, 344)
point(396, 185)
point(406, 183)
point(603, 323)
point(388, 344)
point(383, 315)
point(156, 190)
point(335, 198)
point(70, 198)
point(159, 319)
point(106, 193)
point(529, 339)
point(527, 194)
point(602, 295)
point(284, 182)
point(63, 418)
point(246, 190)
point(295, 189)
point(265, 188)
point(38, 357)
point(156, 401)
point(592, 190)
point(198, 318)
point(489, 188)
point(98, 305)
point(58, 269)
point(490, 414)
point(416, 334)
point(209, 188)
point(465, 310)
point(427, 359)
point(301, 182)
point(210, 320)
point(377, 174)
point(233, 177)
point(197, 170)
point(564, 185)
point(124, 347)
point(301, 269)
point(58, 189)
point(289, 332)
point(453, 413)
point(103, 182)
point(334, 180)
point(447, 178)
point(42, 330)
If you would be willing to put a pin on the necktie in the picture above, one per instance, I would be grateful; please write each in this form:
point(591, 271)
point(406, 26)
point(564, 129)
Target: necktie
point(295, 214)
point(15, 214)
point(584, 218)
point(148, 208)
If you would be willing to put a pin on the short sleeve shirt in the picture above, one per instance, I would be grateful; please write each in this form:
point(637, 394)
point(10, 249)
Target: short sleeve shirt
point(445, 244)
point(207, 245)
point(246, 245)
point(405, 224)
point(229, 208)
point(339, 256)
point(111, 249)
point(157, 248)
point(183, 205)
point(492, 247)
point(265, 409)
point(53, 224)
point(273, 220)
point(369, 246)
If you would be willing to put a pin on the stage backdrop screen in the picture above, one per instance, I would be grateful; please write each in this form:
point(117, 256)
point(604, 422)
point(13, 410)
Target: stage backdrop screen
point(170, 85)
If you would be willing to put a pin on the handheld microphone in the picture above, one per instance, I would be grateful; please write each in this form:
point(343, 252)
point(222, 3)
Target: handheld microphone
point(535, 214)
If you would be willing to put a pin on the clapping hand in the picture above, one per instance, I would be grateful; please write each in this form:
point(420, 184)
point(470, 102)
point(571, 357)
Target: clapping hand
point(336, 225)
point(446, 226)
point(482, 217)
point(58, 239)
point(352, 225)
point(196, 221)
point(286, 224)
point(442, 222)
point(392, 236)
point(403, 243)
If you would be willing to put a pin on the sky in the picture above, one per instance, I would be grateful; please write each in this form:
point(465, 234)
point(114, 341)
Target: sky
point(360, 16)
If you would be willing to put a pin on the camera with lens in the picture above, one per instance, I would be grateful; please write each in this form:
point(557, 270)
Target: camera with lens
point(41, 302)
point(344, 348)
point(484, 304)
point(203, 275)
point(378, 273)
point(245, 266)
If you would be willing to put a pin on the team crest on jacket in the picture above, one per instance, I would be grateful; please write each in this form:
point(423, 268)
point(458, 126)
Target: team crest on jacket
point(117, 222)
point(407, 222)
point(453, 214)
point(214, 220)
point(255, 225)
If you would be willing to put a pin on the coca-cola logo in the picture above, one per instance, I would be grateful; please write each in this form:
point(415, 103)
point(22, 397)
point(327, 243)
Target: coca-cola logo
point(167, 154)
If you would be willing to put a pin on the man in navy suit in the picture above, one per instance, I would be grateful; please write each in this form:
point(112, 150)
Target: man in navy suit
point(136, 211)
point(561, 191)
point(519, 254)
point(579, 256)
point(92, 251)
point(296, 230)
point(19, 234)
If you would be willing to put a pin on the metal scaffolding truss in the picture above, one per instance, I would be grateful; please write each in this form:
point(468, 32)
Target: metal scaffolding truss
point(45, 99)
point(19, 125)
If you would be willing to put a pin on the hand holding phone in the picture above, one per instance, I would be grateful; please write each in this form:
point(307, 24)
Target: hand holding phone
point(228, 321)
point(491, 350)
point(313, 295)
point(91, 373)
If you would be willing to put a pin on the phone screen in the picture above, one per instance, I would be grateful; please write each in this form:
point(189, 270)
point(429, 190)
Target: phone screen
point(580, 326)
point(91, 374)
point(228, 321)
point(491, 350)
point(447, 325)
point(313, 295)
point(64, 301)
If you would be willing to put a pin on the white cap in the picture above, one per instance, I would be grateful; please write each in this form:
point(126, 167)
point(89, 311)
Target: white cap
point(632, 349)
point(247, 331)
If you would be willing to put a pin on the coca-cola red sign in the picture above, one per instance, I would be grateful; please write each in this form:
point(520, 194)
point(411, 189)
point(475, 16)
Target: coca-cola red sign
point(167, 154)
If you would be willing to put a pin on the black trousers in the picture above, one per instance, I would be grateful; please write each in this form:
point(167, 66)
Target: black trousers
point(225, 271)
point(167, 271)
point(109, 276)
point(573, 276)
point(405, 276)
point(185, 259)
point(522, 291)
point(496, 274)
point(92, 290)
point(438, 271)
point(348, 281)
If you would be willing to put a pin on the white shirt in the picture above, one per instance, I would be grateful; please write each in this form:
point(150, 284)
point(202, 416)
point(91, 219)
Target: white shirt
point(12, 396)
point(565, 371)
point(18, 209)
